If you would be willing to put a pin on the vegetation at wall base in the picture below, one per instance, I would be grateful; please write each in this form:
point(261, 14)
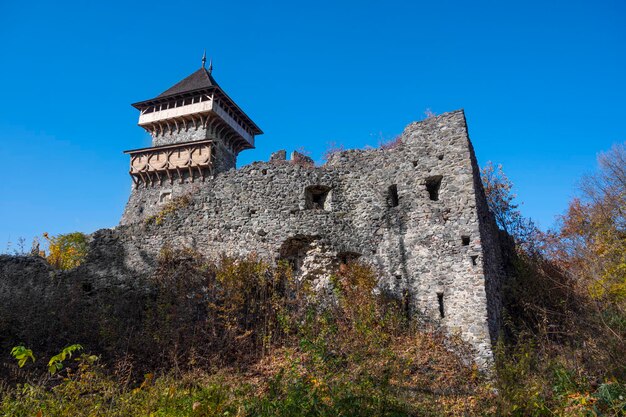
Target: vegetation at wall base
point(563, 345)
point(243, 338)
point(261, 344)
point(239, 337)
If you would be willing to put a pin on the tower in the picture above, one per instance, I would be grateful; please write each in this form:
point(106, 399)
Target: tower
point(197, 131)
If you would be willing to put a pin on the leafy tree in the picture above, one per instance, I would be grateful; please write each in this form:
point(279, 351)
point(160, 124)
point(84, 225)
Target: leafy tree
point(593, 232)
point(67, 251)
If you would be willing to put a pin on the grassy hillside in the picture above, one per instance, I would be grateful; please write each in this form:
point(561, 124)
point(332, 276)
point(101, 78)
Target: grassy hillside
point(242, 338)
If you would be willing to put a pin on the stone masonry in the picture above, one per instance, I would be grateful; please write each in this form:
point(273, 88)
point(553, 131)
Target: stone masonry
point(416, 212)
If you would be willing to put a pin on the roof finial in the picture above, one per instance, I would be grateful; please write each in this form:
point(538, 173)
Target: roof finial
point(204, 58)
point(211, 65)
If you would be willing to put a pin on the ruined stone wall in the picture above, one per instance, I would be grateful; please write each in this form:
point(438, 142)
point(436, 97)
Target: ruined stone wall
point(416, 212)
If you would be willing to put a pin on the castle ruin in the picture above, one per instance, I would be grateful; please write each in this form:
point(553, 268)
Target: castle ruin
point(415, 211)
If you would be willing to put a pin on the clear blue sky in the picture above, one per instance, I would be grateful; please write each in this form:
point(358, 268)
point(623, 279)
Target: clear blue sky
point(543, 85)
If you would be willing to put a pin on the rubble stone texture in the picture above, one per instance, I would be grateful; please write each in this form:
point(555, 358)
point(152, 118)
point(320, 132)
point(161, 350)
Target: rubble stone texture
point(415, 211)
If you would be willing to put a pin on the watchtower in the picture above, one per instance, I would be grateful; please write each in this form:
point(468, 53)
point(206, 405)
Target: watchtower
point(197, 131)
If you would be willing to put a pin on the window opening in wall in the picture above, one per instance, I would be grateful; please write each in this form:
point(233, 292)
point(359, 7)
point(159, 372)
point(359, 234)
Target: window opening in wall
point(465, 240)
point(392, 196)
point(440, 157)
point(440, 299)
point(317, 197)
point(346, 258)
point(294, 249)
point(87, 287)
point(474, 259)
point(165, 196)
point(414, 164)
point(432, 186)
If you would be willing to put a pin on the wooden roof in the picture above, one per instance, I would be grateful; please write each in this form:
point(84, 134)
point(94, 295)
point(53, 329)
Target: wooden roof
point(200, 79)
point(199, 82)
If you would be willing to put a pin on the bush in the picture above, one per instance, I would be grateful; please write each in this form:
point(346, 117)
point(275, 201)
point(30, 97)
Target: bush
point(245, 338)
point(66, 251)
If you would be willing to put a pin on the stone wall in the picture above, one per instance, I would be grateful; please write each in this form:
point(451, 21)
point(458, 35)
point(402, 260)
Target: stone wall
point(416, 212)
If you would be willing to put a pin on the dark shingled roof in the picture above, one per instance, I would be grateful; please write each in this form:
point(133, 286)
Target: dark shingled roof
point(198, 80)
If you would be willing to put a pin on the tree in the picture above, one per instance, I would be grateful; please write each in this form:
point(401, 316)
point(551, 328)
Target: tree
point(67, 251)
point(501, 202)
point(593, 231)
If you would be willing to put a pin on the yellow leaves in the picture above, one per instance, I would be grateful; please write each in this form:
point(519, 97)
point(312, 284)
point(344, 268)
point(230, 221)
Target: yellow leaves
point(148, 379)
point(66, 251)
point(593, 235)
point(580, 401)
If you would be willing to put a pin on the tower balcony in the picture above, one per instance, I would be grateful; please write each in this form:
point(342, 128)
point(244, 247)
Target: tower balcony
point(159, 113)
point(154, 165)
point(197, 108)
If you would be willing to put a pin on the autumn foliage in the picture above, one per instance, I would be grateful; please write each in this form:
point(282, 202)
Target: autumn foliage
point(242, 337)
point(563, 342)
point(592, 239)
point(66, 251)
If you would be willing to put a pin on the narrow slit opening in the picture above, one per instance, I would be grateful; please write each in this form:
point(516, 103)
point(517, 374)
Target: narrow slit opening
point(465, 240)
point(474, 260)
point(440, 300)
point(406, 302)
point(392, 196)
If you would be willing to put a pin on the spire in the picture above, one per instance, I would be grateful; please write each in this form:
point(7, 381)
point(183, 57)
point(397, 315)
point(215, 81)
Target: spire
point(211, 65)
point(204, 59)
